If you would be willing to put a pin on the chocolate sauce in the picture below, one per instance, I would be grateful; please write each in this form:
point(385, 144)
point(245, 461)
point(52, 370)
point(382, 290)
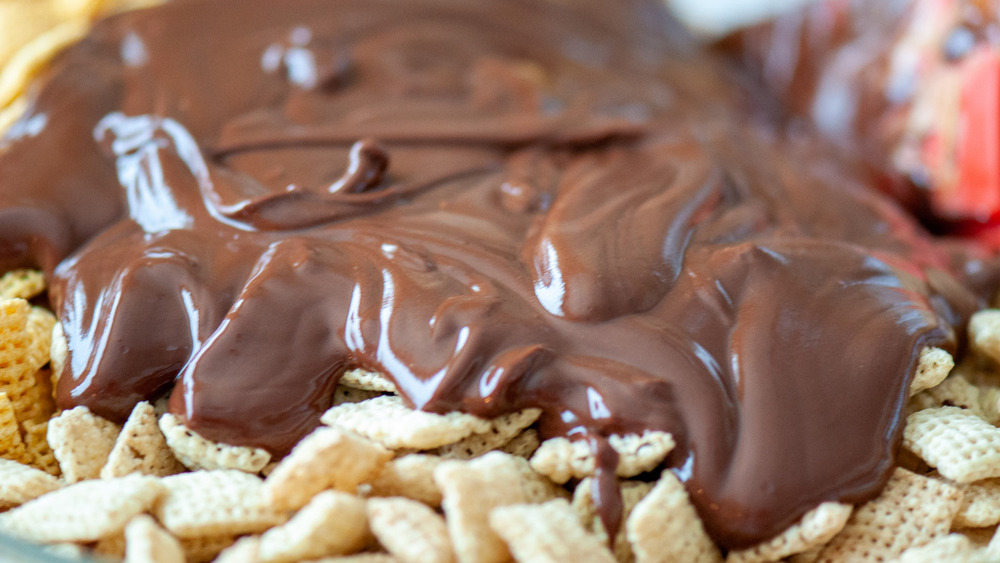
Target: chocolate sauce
point(500, 205)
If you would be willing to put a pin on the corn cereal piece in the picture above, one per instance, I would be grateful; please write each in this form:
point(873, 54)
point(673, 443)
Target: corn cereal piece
point(218, 502)
point(86, 511)
point(20, 483)
point(367, 381)
point(471, 489)
point(81, 441)
point(815, 528)
point(583, 503)
point(39, 327)
point(664, 527)
point(11, 445)
point(40, 402)
point(410, 530)
point(962, 446)
point(953, 548)
point(561, 459)
point(327, 458)
point(141, 448)
point(502, 430)
point(146, 542)
point(243, 551)
point(388, 421)
point(37, 443)
point(911, 511)
point(21, 284)
point(196, 452)
point(17, 375)
point(933, 367)
point(30, 59)
point(980, 505)
point(547, 533)
point(201, 549)
point(410, 476)
point(984, 333)
point(956, 391)
point(333, 523)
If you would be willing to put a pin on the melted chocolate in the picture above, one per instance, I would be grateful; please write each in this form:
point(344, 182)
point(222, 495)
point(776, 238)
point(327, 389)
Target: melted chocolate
point(500, 205)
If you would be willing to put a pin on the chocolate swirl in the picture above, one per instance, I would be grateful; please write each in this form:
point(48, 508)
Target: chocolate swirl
point(500, 205)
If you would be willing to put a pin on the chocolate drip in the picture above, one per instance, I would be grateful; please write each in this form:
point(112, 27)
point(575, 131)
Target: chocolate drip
point(572, 208)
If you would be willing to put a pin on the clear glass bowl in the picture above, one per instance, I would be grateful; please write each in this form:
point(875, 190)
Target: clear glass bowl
point(17, 551)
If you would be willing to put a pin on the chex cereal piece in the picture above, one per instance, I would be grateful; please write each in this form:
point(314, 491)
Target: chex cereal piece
point(980, 505)
point(471, 489)
point(561, 459)
point(86, 511)
point(11, 444)
point(202, 549)
point(502, 430)
point(243, 551)
point(20, 483)
point(196, 452)
point(583, 503)
point(524, 444)
point(547, 533)
point(813, 530)
point(141, 447)
point(327, 458)
point(388, 421)
point(81, 441)
point(410, 530)
point(36, 441)
point(21, 284)
point(343, 394)
point(962, 446)
point(911, 511)
point(984, 333)
point(410, 476)
point(333, 523)
point(218, 502)
point(367, 381)
point(956, 391)
point(664, 526)
point(953, 548)
point(146, 542)
point(933, 367)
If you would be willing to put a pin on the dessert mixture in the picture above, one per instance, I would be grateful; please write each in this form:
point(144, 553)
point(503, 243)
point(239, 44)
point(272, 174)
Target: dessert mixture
point(395, 249)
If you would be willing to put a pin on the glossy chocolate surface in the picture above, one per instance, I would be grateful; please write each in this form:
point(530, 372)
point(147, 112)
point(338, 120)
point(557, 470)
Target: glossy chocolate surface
point(500, 205)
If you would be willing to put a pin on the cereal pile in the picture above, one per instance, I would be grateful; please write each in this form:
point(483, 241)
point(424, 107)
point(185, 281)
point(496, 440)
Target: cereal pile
point(381, 482)
point(378, 481)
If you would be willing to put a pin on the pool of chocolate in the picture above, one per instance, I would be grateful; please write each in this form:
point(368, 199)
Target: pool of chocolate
point(499, 205)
